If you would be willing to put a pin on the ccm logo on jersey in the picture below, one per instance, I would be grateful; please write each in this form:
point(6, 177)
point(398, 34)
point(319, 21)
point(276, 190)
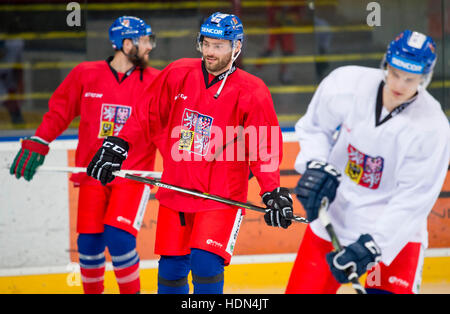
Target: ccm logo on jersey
point(182, 96)
point(92, 95)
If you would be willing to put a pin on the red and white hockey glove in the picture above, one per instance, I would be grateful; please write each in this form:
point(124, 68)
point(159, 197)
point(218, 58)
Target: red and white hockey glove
point(29, 158)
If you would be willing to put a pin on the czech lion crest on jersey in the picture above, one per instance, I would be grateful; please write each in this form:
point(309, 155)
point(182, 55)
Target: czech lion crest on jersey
point(195, 132)
point(112, 119)
point(363, 169)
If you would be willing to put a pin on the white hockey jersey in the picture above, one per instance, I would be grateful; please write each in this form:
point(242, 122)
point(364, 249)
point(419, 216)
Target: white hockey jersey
point(392, 173)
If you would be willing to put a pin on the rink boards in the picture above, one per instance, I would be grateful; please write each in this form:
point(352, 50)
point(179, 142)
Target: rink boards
point(38, 238)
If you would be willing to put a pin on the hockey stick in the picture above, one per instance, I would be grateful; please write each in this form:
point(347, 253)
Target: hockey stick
point(156, 175)
point(200, 194)
point(325, 220)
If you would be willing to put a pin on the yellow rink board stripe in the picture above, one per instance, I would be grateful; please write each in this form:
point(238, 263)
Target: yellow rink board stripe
point(177, 33)
point(293, 89)
point(46, 65)
point(239, 278)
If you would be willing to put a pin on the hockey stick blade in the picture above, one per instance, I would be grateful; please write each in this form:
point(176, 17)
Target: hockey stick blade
point(326, 222)
point(201, 194)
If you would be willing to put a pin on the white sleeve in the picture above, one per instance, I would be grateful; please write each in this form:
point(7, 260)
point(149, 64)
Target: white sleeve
point(315, 129)
point(419, 181)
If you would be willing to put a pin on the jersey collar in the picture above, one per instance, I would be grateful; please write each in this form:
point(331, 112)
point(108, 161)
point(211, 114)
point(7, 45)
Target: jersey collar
point(116, 75)
point(394, 112)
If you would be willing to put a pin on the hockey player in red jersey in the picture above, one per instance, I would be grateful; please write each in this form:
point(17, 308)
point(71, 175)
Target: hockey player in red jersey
point(211, 122)
point(103, 94)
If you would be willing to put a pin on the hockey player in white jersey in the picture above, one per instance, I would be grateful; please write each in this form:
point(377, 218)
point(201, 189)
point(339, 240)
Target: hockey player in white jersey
point(382, 174)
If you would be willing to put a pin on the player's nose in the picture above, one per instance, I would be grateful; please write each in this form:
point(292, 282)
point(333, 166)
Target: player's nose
point(148, 47)
point(397, 84)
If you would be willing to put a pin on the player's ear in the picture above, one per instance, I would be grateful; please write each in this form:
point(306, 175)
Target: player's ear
point(238, 46)
point(127, 45)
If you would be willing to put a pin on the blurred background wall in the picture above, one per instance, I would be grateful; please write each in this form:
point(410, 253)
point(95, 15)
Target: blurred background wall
point(291, 45)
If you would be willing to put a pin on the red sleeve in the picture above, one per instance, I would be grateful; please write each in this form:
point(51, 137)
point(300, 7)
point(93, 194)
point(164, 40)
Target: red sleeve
point(265, 162)
point(137, 124)
point(151, 112)
point(64, 106)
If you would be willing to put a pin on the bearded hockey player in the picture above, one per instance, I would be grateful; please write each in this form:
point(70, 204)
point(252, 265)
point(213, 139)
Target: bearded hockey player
point(189, 111)
point(103, 94)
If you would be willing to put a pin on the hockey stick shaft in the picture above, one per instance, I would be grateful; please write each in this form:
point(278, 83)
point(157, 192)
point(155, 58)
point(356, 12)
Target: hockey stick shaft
point(326, 222)
point(153, 174)
point(201, 194)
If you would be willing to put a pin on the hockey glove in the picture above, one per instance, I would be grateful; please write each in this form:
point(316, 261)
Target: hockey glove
point(280, 211)
point(319, 180)
point(108, 159)
point(29, 158)
point(357, 256)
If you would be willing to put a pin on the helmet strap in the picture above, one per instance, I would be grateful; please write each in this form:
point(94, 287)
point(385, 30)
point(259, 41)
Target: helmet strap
point(233, 59)
point(426, 79)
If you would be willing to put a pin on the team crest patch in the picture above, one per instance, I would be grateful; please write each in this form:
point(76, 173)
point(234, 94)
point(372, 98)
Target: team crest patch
point(195, 132)
point(364, 170)
point(113, 118)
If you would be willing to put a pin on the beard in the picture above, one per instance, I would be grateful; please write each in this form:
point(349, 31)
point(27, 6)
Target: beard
point(219, 65)
point(138, 61)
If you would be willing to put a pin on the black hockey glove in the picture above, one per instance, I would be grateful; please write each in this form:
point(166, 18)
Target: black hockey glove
point(108, 159)
point(319, 180)
point(359, 255)
point(280, 211)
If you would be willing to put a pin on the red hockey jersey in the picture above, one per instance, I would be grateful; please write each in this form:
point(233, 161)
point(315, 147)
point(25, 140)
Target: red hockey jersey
point(209, 144)
point(104, 100)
